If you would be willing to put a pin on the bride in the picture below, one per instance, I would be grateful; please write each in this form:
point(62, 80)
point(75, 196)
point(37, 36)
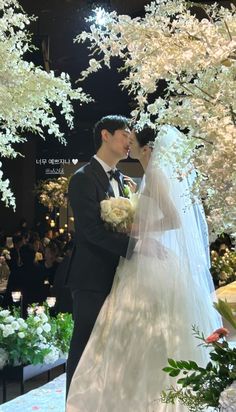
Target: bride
point(156, 297)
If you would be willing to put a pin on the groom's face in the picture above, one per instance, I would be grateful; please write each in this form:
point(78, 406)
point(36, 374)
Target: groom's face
point(118, 143)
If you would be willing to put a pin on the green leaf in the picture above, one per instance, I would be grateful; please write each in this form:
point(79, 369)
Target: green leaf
point(225, 310)
point(186, 365)
point(181, 381)
point(209, 365)
point(175, 372)
point(194, 365)
point(172, 363)
point(167, 369)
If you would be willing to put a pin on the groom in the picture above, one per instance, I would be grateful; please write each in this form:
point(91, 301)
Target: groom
point(97, 250)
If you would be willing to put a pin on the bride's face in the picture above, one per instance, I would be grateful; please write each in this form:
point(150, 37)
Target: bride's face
point(135, 151)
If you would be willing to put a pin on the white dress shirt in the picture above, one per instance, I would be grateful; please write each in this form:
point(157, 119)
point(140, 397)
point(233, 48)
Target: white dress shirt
point(107, 168)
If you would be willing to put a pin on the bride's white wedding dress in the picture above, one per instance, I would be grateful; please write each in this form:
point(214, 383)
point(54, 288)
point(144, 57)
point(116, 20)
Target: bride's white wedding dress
point(156, 297)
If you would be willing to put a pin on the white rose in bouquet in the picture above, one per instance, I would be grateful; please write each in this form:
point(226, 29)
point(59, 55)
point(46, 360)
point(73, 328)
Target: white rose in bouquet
point(118, 213)
point(124, 203)
point(105, 208)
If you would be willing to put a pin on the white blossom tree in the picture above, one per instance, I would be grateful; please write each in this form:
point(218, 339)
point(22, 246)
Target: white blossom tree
point(26, 91)
point(197, 59)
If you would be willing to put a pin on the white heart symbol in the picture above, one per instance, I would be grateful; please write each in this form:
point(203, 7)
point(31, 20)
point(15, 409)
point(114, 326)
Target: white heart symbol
point(74, 161)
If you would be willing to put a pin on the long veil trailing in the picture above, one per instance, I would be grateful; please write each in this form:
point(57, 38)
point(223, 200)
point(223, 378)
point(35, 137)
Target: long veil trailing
point(156, 297)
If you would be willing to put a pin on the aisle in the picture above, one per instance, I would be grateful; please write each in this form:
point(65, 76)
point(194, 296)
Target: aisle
point(49, 397)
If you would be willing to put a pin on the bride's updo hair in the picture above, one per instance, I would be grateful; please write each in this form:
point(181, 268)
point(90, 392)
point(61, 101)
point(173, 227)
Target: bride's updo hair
point(146, 136)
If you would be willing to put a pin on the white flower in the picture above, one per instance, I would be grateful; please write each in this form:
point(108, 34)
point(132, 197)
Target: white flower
point(9, 319)
point(227, 401)
point(47, 327)
point(197, 60)
point(63, 355)
point(105, 206)
point(15, 325)
point(4, 313)
point(42, 339)
point(30, 311)
point(27, 91)
point(39, 310)
point(52, 356)
point(43, 345)
point(21, 335)
point(22, 323)
point(94, 64)
point(3, 358)
point(44, 317)
point(39, 330)
point(8, 330)
point(117, 215)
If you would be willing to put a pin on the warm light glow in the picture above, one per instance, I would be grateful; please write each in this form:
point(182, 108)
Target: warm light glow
point(58, 214)
point(61, 230)
point(40, 310)
point(52, 223)
point(16, 296)
point(65, 225)
point(51, 301)
point(72, 219)
point(47, 217)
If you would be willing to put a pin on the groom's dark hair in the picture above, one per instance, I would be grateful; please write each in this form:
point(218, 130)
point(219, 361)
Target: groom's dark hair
point(110, 123)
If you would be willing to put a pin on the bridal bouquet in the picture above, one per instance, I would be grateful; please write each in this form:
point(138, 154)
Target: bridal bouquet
point(118, 213)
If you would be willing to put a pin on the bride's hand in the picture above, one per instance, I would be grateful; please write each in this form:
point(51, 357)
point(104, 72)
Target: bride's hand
point(153, 248)
point(131, 183)
point(131, 229)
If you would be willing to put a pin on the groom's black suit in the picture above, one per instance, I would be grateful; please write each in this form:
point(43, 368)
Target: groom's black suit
point(95, 256)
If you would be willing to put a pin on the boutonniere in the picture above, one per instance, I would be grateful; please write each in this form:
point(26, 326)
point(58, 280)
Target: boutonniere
point(127, 191)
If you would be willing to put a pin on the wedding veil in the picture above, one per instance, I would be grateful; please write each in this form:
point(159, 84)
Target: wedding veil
point(171, 226)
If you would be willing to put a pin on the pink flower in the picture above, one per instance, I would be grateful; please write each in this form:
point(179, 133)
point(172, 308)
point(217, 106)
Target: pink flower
point(212, 338)
point(216, 335)
point(222, 332)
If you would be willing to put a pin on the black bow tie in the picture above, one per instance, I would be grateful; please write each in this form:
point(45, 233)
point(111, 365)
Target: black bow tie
point(114, 174)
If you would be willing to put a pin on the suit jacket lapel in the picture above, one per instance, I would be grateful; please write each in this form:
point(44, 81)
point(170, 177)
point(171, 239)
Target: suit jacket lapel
point(101, 175)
